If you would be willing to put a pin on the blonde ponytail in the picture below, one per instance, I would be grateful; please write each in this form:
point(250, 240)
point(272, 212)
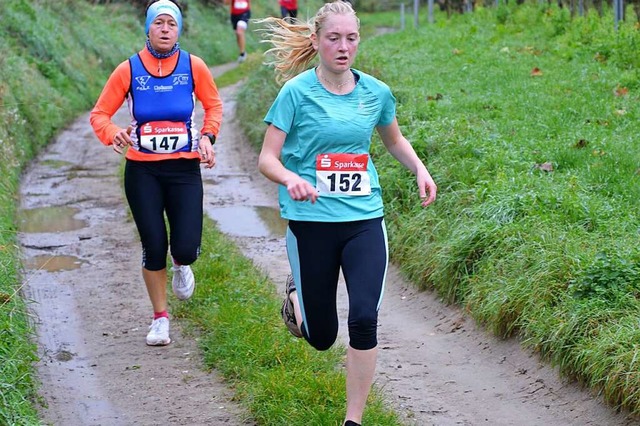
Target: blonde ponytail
point(292, 50)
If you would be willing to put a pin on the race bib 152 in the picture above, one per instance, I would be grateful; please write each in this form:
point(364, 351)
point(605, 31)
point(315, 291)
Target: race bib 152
point(342, 174)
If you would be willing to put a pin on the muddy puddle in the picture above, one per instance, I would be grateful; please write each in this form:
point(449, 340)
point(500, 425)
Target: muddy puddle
point(53, 263)
point(49, 219)
point(249, 221)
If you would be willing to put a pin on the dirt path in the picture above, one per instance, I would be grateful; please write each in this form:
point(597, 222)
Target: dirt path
point(91, 309)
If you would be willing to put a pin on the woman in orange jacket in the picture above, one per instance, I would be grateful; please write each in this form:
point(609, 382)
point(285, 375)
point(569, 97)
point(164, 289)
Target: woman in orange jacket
point(163, 148)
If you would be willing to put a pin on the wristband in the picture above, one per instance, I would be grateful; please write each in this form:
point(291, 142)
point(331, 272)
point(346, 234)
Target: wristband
point(211, 137)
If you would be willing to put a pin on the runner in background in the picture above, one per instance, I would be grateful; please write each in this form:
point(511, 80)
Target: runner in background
point(240, 15)
point(289, 9)
point(316, 147)
point(163, 150)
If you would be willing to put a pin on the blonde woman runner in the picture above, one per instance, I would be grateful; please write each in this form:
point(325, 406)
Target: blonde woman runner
point(316, 147)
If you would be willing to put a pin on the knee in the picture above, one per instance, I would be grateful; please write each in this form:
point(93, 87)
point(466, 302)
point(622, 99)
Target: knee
point(363, 332)
point(321, 340)
point(322, 344)
point(184, 255)
point(154, 259)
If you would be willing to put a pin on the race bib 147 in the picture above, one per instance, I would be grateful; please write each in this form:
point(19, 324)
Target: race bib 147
point(164, 137)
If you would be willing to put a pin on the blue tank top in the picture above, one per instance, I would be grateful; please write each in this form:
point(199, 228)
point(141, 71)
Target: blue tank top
point(162, 107)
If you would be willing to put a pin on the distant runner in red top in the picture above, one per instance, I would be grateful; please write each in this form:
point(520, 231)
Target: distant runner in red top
point(288, 9)
point(240, 15)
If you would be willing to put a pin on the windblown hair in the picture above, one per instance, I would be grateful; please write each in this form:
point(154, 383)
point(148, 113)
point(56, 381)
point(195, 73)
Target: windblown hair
point(292, 50)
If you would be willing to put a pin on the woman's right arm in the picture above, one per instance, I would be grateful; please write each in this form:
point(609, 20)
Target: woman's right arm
point(270, 165)
point(110, 100)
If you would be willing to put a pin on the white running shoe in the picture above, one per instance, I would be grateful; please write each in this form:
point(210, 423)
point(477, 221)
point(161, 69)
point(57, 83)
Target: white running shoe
point(159, 332)
point(242, 57)
point(183, 281)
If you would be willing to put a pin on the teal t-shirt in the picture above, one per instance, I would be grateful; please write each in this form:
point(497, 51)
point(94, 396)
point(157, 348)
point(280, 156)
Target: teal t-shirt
point(317, 122)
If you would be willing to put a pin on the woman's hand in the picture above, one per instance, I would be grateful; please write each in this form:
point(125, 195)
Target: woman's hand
point(122, 140)
point(207, 154)
point(269, 165)
point(402, 151)
point(300, 189)
point(426, 186)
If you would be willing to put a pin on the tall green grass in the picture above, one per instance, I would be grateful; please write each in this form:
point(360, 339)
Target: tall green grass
point(17, 350)
point(513, 240)
point(528, 121)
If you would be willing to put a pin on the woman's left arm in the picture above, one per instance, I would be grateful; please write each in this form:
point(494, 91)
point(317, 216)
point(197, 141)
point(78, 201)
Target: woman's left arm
point(402, 151)
point(206, 92)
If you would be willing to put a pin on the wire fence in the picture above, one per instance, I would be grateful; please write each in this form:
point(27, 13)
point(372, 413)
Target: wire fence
point(411, 10)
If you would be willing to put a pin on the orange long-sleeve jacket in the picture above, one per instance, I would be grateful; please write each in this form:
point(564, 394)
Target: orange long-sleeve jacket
point(115, 91)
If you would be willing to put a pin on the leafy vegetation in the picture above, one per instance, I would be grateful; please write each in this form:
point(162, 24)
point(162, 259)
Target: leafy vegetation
point(527, 119)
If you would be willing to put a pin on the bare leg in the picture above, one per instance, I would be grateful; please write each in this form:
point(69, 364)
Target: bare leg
point(293, 296)
point(240, 39)
point(156, 282)
point(361, 366)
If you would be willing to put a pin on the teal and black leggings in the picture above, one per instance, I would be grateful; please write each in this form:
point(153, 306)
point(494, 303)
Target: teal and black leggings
point(174, 187)
point(317, 251)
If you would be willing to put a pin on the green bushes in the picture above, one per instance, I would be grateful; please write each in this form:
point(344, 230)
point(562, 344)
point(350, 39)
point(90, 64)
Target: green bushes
point(538, 178)
point(611, 278)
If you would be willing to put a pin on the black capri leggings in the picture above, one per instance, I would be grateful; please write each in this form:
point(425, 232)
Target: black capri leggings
point(174, 187)
point(317, 251)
